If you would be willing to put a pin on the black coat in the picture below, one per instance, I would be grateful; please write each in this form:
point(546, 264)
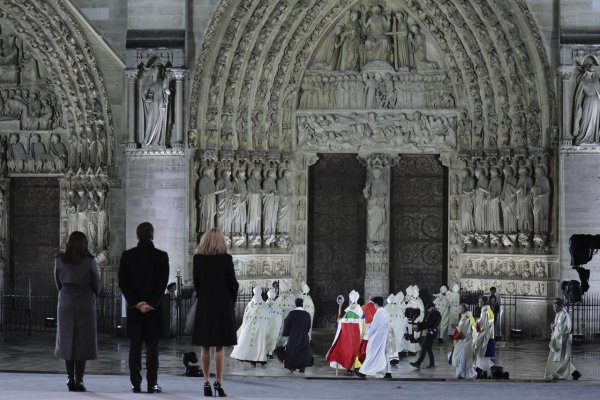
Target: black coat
point(143, 276)
point(216, 292)
point(298, 353)
point(431, 322)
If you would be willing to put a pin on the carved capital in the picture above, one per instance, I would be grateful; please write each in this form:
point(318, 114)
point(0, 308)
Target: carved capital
point(132, 74)
point(565, 74)
point(378, 160)
point(178, 73)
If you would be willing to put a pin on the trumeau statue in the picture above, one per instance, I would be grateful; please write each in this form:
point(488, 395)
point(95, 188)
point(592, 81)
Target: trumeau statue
point(586, 120)
point(375, 192)
point(155, 100)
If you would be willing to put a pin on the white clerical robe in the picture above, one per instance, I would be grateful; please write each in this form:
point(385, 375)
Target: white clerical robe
point(462, 354)
point(483, 334)
point(559, 364)
point(454, 312)
point(407, 344)
point(376, 361)
point(397, 329)
point(252, 335)
point(443, 305)
point(275, 324)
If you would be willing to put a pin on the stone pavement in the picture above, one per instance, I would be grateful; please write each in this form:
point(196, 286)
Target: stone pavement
point(28, 370)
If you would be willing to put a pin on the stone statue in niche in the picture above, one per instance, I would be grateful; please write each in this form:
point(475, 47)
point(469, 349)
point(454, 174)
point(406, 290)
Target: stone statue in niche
point(466, 202)
point(540, 193)
point(526, 271)
point(239, 209)
point(586, 119)
point(524, 204)
point(481, 200)
point(254, 206)
point(539, 269)
point(17, 159)
point(270, 206)
point(351, 38)
point(301, 210)
point(38, 153)
point(58, 153)
point(83, 204)
point(207, 201)
point(498, 270)
point(375, 192)
point(155, 100)
point(92, 214)
point(402, 42)
point(495, 192)
point(483, 268)
point(224, 199)
point(512, 269)
point(419, 50)
point(377, 46)
point(509, 200)
point(469, 269)
point(102, 220)
point(284, 211)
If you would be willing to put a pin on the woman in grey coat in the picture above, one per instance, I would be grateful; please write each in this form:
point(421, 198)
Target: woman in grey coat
point(78, 283)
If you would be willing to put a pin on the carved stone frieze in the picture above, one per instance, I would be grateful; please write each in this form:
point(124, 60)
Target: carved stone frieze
point(511, 274)
point(372, 131)
point(262, 266)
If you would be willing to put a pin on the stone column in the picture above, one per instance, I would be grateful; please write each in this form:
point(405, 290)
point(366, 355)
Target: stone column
point(566, 98)
point(177, 137)
point(377, 193)
point(132, 76)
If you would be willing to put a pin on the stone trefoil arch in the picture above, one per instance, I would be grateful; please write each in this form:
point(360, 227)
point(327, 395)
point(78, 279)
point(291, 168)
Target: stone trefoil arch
point(247, 108)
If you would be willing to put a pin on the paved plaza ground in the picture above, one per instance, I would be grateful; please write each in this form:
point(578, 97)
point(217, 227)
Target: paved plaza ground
point(28, 370)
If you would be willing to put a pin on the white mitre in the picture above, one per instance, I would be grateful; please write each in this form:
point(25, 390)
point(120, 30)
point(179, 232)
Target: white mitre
point(272, 293)
point(391, 299)
point(456, 288)
point(353, 296)
point(305, 288)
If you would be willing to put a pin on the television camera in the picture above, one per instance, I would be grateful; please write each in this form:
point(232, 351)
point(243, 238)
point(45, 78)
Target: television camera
point(411, 315)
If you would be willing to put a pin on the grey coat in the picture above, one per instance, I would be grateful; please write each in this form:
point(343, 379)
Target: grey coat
point(78, 286)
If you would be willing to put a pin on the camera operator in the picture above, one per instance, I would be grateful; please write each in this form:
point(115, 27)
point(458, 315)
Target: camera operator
point(430, 324)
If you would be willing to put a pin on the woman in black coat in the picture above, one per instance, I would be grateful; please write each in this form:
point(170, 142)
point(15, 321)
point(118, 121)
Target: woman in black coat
point(78, 283)
point(217, 289)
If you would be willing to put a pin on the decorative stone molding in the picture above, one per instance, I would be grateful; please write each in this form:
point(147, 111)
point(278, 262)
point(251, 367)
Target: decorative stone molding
point(157, 152)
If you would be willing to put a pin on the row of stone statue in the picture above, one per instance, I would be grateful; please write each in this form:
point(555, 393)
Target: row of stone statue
point(498, 201)
point(47, 153)
point(32, 110)
point(262, 326)
point(86, 212)
point(374, 40)
point(374, 90)
point(251, 211)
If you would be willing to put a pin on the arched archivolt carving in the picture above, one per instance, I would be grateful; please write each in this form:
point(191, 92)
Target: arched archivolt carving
point(248, 77)
point(53, 34)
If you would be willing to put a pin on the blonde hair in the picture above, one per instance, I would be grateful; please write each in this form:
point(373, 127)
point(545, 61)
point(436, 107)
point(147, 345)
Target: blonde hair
point(212, 243)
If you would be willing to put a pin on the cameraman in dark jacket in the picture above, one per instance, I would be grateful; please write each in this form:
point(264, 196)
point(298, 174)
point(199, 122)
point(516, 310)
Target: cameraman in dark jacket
point(430, 324)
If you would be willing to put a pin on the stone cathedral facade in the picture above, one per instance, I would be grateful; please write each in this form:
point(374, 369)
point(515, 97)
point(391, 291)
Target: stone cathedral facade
point(364, 145)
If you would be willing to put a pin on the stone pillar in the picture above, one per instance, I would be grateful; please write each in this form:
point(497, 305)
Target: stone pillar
point(377, 193)
point(177, 137)
point(566, 98)
point(132, 76)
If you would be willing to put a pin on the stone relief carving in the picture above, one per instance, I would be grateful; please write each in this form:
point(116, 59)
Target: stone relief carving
point(372, 130)
point(155, 102)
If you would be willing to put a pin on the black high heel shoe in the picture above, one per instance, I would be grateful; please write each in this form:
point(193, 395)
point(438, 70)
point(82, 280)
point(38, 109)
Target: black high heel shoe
point(71, 385)
point(79, 386)
point(219, 390)
point(207, 389)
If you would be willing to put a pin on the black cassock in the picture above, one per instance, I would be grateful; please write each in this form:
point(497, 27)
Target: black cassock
point(298, 353)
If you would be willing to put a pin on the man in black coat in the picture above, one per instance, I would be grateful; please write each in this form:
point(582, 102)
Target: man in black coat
point(430, 324)
point(143, 277)
point(296, 326)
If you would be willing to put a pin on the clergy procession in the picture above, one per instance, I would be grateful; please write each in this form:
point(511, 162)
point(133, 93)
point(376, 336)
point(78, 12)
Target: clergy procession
point(372, 339)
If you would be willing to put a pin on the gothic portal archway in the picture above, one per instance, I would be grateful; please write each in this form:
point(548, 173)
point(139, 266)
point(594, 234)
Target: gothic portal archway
point(279, 82)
